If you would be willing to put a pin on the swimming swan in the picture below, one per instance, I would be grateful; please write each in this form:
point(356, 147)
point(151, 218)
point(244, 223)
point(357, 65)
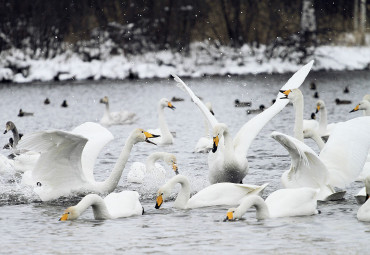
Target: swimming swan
point(116, 118)
point(165, 134)
point(228, 160)
point(281, 203)
point(139, 170)
point(115, 205)
point(205, 143)
point(339, 163)
point(60, 169)
point(217, 194)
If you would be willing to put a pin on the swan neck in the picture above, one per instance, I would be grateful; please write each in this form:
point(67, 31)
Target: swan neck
point(165, 132)
point(320, 143)
point(184, 193)
point(262, 211)
point(323, 119)
point(100, 210)
point(298, 125)
point(15, 137)
point(229, 146)
point(150, 162)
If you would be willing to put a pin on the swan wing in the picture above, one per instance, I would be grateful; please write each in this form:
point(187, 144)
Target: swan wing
point(250, 130)
point(59, 166)
point(123, 204)
point(346, 151)
point(307, 170)
point(98, 136)
point(211, 118)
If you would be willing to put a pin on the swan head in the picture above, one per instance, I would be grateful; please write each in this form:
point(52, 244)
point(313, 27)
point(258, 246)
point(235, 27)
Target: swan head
point(140, 135)
point(170, 159)
point(104, 100)
point(218, 132)
point(230, 215)
point(363, 105)
point(162, 194)
point(319, 105)
point(9, 126)
point(164, 102)
point(291, 94)
point(70, 214)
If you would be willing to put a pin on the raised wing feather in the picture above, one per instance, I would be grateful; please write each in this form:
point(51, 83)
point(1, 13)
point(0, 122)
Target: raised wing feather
point(98, 136)
point(346, 151)
point(250, 130)
point(211, 119)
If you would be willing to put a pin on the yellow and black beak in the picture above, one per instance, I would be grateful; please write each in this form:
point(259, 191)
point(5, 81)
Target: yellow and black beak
point(353, 110)
point(317, 108)
point(159, 202)
point(215, 144)
point(229, 216)
point(149, 135)
point(175, 169)
point(286, 93)
point(64, 217)
point(171, 106)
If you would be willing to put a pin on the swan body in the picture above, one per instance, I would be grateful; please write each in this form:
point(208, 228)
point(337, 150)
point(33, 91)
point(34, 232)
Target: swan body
point(339, 163)
point(281, 203)
point(363, 213)
point(205, 143)
point(115, 205)
point(116, 118)
point(24, 114)
point(139, 170)
point(228, 160)
point(166, 136)
point(64, 169)
point(216, 194)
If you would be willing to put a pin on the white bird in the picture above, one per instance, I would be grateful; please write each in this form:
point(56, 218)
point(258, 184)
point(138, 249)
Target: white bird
point(116, 118)
point(228, 160)
point(205, 143)
point(115, 205)
point(324, 128)
point(217, 194)
point(363, 105)
point(363, 213)
point(339, 163)
point(281, 203)
point(61, 170)
point(139, 170)
point(165, 135)
point(314, 135)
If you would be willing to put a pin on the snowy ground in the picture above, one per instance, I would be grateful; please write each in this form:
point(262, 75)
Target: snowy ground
point(203, 59)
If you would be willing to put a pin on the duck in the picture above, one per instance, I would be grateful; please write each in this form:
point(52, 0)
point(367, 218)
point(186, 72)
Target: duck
point(260, 109)
point(47, 101)
point(138, 170)
point(363, 213)
point(346, 90)
point(166, 137)
point(280, 203)
point(72, 167)
point(64, 104)
point(316, 95)
point(24, 114)
point(363, 105)
point(227, 160)
point(113, 206)
point(313, 85)
point(205, 143)
point(212, 195)
point(339, 101)
point(177, 99)
point(116, 118)
point(237, 103)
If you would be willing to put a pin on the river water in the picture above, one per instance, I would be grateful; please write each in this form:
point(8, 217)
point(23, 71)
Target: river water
point(29, 226)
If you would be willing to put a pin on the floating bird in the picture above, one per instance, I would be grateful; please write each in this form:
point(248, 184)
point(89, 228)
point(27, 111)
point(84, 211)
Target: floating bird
point(64, 104)
point(324, 129)
point(47, 101)
point(256, 111)
point(316, 95)
point(115, 205)
point(237, 103)
point(339, 101)
point(24, 114)
point(313, 85)
point(281, 203)
point(216, 194)
point(116, 118)
point(346, 90)
point(177, 99)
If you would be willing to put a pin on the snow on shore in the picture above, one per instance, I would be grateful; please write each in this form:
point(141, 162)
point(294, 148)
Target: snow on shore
point(202, 59)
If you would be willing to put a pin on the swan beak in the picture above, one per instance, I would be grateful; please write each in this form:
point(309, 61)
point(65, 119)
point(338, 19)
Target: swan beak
point(286, 93)
point(354, 109)
point(159, 202)
point(174, 167)
point(64, 217)
point(229, 216)
point(215, 144)
point(317, 108)
point(7, 129)
point(149, 135)
point(171, 106)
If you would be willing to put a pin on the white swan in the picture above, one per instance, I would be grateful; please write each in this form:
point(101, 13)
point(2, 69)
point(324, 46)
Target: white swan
point(363, 105)
point(281, 203)
point(59, 169)
point(228, 160)
point(217, 194)
point(339, 163)
point(139, 170)
point(115, 205)
point(363, 213)
point(165, 134)
point(324, 129)
point(205, 143)
point(314, 135)
point(116, 118)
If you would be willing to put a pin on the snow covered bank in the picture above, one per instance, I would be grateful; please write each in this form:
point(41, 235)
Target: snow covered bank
point(202, 59)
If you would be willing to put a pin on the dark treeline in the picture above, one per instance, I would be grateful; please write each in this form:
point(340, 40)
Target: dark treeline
point(147, 25)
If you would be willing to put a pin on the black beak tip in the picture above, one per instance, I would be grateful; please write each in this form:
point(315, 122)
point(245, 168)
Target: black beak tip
point(317, 111)
point(282, 91)
point(350, 111)
point(212, 112)
point(5, 131)
point(156, 206)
